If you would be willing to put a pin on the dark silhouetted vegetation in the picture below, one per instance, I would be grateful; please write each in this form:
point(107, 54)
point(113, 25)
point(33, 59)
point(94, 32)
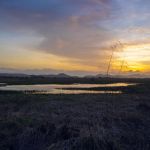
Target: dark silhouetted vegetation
point(76, 122)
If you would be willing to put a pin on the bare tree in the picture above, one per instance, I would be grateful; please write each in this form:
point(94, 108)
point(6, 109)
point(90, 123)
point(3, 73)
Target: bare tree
point(110, 60)
point(118, 46)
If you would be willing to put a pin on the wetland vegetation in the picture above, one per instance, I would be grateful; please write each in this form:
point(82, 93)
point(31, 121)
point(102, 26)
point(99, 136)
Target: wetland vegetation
point(76, 121)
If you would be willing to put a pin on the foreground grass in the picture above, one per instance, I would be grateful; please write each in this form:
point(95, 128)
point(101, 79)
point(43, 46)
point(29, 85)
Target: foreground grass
point(74, 122)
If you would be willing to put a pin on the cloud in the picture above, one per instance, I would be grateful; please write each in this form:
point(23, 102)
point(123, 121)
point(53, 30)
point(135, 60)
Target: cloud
point(82, 30)
point(69, 28)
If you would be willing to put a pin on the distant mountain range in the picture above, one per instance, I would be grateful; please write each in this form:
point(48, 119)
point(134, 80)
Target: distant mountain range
point(63, 75)
point(60, 75)
point(13, 75)
point(44, 72)
point(8, 72)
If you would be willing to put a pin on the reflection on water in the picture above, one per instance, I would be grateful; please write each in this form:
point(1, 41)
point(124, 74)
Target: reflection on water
point(2, 84)
point(61, 91)
point(58, 88)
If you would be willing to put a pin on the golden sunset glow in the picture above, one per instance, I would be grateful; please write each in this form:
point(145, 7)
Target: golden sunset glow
point(132, 58)
point(38, 60)
point(77, 36)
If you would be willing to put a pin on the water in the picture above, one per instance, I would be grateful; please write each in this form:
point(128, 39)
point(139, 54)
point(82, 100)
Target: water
point(2, 84)
point(61, 91)
point(58, 88)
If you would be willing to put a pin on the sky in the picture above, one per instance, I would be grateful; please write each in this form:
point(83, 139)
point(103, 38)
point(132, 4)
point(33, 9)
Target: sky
point(75, 36)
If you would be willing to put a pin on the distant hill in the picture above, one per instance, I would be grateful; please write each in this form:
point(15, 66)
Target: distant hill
point(132, 75)
point(13, 75)
point(60, 75)
point(63, 75)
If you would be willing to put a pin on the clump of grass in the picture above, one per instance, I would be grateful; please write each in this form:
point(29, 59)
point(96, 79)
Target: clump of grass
point(74, 122)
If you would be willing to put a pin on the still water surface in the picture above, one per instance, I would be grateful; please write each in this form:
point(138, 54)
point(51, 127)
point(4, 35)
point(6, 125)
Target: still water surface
point(58, 88)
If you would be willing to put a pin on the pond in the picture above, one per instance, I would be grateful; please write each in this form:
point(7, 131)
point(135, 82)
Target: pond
point(61, 89)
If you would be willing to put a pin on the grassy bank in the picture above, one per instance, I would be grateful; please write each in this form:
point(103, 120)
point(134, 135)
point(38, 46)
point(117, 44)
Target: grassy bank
point(70, 80)
point(74, 122)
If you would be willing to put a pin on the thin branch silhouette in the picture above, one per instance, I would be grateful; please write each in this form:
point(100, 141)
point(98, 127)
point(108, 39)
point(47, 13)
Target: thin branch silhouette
point(114, 47)
point(109, 64)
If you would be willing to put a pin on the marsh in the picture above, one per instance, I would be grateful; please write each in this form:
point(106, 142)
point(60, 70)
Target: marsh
point(64, 88)
point(76, 121)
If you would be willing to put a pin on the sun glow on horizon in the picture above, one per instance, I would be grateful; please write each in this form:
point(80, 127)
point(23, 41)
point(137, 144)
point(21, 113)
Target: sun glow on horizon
point(133, 58)
point(75, 36)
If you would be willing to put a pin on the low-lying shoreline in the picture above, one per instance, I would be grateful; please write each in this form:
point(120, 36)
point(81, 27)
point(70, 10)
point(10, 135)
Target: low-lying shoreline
point(76, 121)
